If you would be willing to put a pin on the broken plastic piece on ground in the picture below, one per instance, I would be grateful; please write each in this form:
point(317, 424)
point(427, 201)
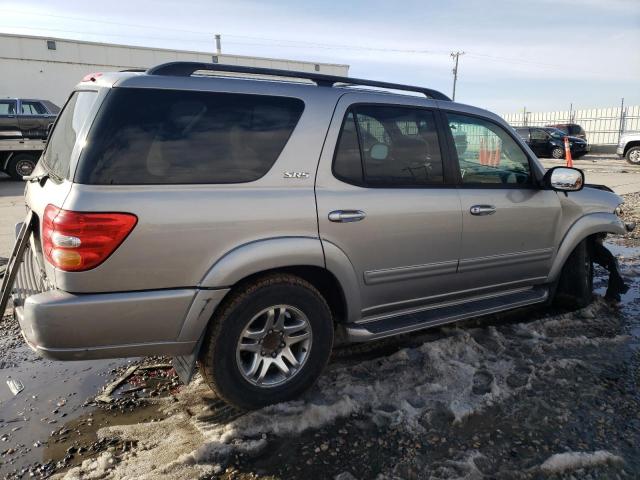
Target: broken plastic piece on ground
point(105, 396)
point(16, 386)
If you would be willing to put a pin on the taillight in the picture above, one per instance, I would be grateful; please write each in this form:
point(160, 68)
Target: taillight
point(77, 241)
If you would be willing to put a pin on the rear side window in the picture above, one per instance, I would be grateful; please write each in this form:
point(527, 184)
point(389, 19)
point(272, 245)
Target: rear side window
point(7, 107)
point(145, 136)
point(384, 146)
point(32, 108)
point(57, 156)
point(575, 130)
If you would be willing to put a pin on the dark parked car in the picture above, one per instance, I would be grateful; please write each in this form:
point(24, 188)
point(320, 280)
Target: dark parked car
point(24, 127)
point(571, 129)
point(26, 118)
point(549, 142)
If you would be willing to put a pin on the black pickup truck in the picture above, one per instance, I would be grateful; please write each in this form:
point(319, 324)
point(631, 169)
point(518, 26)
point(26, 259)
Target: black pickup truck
point(24, 126)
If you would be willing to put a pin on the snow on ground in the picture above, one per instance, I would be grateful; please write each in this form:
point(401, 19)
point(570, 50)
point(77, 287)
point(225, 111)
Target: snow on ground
point(462, 372)
point(561, 462)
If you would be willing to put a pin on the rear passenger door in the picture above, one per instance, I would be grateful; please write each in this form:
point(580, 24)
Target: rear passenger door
point(386, 200)
point(34, 119)
point(508, 220)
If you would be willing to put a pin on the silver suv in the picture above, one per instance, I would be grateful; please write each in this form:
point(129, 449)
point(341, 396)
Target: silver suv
point(249, 223)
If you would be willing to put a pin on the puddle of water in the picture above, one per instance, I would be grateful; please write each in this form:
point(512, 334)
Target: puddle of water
point(77, 440)
point(54, 393)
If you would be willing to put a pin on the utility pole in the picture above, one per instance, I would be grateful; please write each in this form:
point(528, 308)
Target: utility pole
point(455, 55)
point(218, 44)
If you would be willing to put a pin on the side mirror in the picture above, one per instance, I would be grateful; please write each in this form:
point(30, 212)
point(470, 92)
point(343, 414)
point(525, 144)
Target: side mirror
point(564, 179)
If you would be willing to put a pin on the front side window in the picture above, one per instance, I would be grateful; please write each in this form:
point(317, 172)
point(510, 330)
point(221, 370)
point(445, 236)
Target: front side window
point(32, 108)
point(7, 107)
point(386, 146)
point(539, 135)
point(148, 136)
point(490, 155)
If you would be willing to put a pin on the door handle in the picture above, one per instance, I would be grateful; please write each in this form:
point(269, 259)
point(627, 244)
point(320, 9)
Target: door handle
point(483, 210)
point(346, 216)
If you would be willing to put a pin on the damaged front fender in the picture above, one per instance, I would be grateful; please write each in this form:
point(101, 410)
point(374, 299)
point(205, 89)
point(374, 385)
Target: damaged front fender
point(585, 226)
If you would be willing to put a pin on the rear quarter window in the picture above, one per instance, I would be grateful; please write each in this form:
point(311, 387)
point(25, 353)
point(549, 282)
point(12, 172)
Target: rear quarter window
point(57, 155)
point(145, 136)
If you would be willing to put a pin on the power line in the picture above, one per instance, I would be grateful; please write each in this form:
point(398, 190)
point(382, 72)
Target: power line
point(284, 43)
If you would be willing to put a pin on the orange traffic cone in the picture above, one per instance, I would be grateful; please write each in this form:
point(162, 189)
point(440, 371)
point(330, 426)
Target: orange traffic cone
point(498, 153)
point(567, 152)
point(483, 153)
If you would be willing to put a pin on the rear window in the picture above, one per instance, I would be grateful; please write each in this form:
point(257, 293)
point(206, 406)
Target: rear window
point(63, 137)
point(145, 136)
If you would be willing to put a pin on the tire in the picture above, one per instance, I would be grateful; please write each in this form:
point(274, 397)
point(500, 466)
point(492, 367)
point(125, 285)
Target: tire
point(227, 365)
point(557, 153)
point(21, 165)
point(575, 285)
point(633, 155)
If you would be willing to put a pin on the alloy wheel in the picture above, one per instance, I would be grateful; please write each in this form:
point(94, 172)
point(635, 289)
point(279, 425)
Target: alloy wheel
point(274, 346)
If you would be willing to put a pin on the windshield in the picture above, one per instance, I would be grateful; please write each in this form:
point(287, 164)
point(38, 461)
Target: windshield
point(57, 156)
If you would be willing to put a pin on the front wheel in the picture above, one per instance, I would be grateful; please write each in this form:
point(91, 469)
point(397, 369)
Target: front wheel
point(633, 155)
point(269, 342)
point(21, 165)
point(557, 153)
point(575, 285)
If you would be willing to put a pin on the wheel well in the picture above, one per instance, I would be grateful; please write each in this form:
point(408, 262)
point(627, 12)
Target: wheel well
point(321, 278)
point(634, 143)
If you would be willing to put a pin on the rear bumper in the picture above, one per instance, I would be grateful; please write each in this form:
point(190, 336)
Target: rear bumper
point(66, 326)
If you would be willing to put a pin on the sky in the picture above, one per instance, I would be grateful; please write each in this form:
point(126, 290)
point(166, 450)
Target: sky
point(540, 55)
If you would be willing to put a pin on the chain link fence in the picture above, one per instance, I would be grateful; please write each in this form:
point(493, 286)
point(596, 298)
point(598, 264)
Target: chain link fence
point(603, 126)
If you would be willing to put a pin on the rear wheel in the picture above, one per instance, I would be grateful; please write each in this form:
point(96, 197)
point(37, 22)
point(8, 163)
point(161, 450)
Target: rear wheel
point(557, 153)
point(633, 155)
point(269, 343)
point(21, 165)
point(575, 286)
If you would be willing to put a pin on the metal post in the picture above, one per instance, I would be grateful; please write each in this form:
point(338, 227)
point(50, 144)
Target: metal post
point(524, 117)
point(455, 55)
point(622, 122)
point(218, 44)
point(570, 113)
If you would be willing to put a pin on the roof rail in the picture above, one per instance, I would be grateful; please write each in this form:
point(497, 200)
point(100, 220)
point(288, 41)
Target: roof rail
point(185, 69)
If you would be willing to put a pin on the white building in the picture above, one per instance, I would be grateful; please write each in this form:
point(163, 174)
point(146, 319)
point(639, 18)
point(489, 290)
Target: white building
point(48, 68)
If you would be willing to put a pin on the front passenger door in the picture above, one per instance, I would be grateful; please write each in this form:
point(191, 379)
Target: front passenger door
point(509, 223)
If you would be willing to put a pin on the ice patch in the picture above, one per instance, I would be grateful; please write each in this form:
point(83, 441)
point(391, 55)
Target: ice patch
point(561, 462)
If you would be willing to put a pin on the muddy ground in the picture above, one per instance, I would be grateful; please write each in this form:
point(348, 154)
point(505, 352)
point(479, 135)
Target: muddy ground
point(534, 393)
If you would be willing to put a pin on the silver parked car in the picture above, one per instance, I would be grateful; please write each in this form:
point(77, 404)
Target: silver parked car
point(629, 147)
point(248, 223)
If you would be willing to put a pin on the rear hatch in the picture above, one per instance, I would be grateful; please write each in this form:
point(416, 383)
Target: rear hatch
point(52, 181)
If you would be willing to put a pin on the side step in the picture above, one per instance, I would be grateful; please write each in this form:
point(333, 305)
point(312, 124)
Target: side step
point(387, 327)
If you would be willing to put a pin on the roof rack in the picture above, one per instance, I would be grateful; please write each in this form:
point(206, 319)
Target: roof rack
point(185, 69)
